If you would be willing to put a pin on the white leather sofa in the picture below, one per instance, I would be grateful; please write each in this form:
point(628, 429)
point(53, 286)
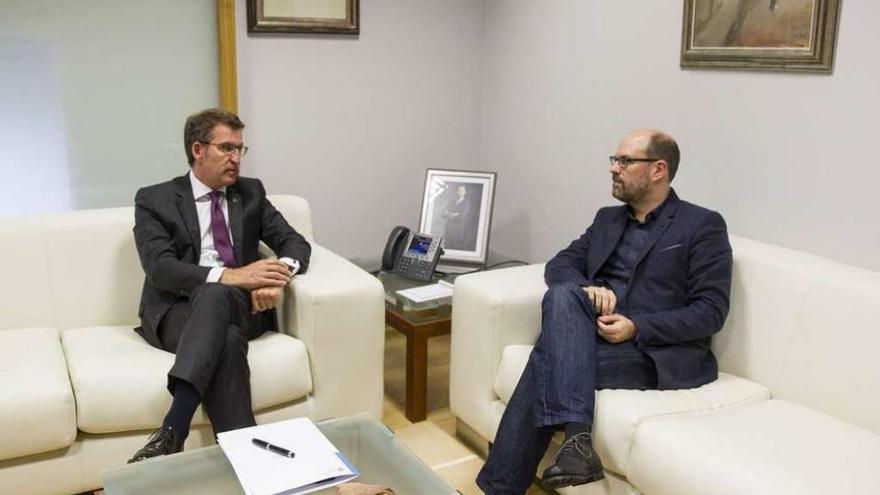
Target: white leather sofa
point(80, 391)
point(796, 408)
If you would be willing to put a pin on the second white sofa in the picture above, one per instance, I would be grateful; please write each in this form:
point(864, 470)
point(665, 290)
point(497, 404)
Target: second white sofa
point(795, 409)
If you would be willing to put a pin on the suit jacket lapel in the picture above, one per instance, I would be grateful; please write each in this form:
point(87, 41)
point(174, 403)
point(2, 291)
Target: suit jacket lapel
point(609, 241)
point(663, 223)
point(236, 222)
point(186, 204)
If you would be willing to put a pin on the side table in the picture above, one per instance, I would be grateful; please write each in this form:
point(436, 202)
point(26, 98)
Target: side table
point(418, 324)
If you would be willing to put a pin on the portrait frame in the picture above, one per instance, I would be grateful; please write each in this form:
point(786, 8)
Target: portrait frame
point(301, 16)
point(713, 36)
point(457, 205)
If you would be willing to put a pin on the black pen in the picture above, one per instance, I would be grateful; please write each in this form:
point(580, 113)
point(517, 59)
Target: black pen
point(273, 448)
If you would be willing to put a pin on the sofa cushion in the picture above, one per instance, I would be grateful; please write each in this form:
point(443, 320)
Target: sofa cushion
point(785, 330)
point(37, 413)
point(120, 381)
point(620, 412)
point(768, 448)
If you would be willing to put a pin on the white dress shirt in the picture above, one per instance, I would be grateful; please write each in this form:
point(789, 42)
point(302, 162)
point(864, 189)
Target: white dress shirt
point(209, 255)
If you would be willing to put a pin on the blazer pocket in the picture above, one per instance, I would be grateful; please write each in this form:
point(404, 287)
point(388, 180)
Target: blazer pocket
point(670, 248)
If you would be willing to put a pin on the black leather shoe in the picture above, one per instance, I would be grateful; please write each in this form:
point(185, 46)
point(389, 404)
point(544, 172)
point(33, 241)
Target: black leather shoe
point(163, 441)
point(576, 464)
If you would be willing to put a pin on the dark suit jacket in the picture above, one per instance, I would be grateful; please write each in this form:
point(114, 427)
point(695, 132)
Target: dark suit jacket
point(679, 292)
point(166, 233)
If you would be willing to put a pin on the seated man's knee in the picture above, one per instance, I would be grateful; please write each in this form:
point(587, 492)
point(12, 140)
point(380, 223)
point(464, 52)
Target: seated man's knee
point(561, 299)
point(567, 291)
point(212, 291)
point(236, 338)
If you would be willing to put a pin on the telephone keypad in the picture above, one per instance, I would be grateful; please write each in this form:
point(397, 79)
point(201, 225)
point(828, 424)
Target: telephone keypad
point(419, 266)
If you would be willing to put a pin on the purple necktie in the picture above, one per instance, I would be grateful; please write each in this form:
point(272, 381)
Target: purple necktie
point(221, 234)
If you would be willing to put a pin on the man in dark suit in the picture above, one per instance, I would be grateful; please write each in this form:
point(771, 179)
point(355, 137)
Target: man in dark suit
point(206, 292)
point(461, 222)
point(631, 304)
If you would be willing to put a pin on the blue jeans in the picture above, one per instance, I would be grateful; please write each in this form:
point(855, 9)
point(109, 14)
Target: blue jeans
point(568, 364)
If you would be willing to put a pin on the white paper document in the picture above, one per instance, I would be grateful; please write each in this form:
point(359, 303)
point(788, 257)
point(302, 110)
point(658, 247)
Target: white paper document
point(317, 464)
point(428, 292)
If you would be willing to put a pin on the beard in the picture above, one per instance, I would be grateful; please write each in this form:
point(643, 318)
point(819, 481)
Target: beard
point(629, 192)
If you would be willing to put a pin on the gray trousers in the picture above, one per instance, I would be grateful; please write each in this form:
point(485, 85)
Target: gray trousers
point(209, 333)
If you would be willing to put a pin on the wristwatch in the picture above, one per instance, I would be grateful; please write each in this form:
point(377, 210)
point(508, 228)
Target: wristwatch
point(292, 264)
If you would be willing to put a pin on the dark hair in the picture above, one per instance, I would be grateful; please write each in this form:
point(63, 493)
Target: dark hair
point(662, 146)
point(199, 127)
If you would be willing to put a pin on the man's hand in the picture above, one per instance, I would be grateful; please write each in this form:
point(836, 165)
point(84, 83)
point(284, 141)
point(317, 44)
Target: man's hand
point(263, 273)
point(604, 300)
point(616, 328)
point(265, 298)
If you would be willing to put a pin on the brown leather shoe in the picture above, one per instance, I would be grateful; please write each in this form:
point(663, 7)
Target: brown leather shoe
point(163, 441)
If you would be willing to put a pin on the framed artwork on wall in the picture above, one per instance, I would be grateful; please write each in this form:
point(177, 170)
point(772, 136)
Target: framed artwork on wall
point(303, 16)
point(457, 205)
point(783, 35)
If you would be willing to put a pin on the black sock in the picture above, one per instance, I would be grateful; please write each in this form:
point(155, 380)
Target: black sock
point(183, 408)
point(572, 429)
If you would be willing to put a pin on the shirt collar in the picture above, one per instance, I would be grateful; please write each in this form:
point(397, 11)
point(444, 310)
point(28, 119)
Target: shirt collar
point(656, 212)
point(200, 189)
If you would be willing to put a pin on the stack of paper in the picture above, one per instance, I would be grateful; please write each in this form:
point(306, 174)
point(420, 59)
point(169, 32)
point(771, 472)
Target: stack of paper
point(317, 464)
point(425, 293)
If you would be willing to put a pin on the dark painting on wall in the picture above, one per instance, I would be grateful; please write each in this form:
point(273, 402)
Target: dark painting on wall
point(792, 35)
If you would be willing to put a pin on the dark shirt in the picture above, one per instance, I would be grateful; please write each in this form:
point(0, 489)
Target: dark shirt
point(615, 274)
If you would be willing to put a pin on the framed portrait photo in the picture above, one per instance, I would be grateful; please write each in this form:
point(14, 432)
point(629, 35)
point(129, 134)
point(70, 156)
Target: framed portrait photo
point(303, 16)
point(457, 205)
point(782, 35)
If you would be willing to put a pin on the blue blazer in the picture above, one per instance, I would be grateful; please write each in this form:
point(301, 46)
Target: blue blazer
point(679, 292)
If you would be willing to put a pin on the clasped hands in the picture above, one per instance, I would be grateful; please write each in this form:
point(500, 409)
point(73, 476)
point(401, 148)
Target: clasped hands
point(613, 327)
point(265, 279)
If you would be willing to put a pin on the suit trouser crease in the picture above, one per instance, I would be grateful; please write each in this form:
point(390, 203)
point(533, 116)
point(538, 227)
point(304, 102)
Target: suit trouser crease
point(209, 334)
point(567, 365)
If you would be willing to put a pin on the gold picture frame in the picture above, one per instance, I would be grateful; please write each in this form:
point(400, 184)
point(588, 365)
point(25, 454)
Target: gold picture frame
point(781, 35)
point(304, 16)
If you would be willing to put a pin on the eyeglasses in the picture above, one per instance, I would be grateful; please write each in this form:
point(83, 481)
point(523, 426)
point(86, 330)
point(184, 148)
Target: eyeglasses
point(625, 161)
point(229, 148)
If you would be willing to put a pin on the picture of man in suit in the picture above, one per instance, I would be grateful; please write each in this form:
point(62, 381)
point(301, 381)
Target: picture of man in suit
point(206, 292)
point(461, 220)
point(631, 304)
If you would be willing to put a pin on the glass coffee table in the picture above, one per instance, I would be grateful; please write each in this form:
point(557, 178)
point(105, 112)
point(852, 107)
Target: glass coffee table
point(373, 449)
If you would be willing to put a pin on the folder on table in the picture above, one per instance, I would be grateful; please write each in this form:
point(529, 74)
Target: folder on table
point(316, 465)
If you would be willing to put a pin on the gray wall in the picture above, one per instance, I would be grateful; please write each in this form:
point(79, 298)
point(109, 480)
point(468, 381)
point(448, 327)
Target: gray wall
point(351, 123)
point(788, 159)
point(541, 92)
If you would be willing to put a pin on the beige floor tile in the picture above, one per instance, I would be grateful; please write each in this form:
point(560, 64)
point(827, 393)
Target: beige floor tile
point(462, 475)
point(432, 440)
point(434, 446)
point(393, 416)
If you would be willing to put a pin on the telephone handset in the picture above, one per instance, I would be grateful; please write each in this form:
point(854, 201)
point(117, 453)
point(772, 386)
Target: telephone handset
point(412, 256)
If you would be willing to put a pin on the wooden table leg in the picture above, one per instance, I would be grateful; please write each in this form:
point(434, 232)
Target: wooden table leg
point(416, 376)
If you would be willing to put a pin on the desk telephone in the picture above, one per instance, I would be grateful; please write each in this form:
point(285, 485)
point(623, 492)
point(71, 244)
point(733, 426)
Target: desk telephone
point(412, 256)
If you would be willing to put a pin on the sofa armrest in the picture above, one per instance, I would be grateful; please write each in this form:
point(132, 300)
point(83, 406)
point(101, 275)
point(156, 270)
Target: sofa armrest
point(490, 310)
point(338, 311)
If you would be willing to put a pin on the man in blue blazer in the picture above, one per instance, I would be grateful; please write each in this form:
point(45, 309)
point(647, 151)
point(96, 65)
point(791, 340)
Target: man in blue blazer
point(631, 304)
